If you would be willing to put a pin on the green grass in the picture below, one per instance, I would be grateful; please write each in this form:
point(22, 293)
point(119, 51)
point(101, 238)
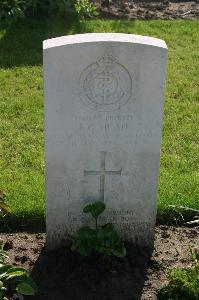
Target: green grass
point(183, 282)
point(21, 112)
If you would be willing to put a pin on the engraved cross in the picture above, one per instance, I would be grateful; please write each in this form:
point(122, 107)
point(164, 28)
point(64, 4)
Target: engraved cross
point(102, 173)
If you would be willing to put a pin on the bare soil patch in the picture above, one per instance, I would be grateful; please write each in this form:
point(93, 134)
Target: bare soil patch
point(65, 275)
point(149, 9)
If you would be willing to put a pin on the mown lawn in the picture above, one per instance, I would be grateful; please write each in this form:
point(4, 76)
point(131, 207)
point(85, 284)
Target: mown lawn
point(22, 118)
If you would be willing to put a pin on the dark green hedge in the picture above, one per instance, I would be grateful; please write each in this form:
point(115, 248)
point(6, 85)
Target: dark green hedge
point(13, 9)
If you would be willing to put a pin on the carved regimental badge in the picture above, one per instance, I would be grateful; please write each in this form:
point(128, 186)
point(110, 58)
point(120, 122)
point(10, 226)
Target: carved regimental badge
point(105, 85)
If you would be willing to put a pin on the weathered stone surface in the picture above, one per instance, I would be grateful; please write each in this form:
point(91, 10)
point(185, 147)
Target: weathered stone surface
point(103, 107)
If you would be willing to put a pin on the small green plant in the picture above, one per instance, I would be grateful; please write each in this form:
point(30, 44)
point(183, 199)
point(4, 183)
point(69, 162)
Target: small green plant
point(85, 9)
point(14, 279)
point(183, 282)
point(103, 239)
point(14, 9)
point(196, 218)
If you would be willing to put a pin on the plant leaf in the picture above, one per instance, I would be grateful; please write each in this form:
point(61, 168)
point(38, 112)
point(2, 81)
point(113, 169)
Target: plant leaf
point(87, 208)
point(108, 226)
point(4, 207)
point(85, 240)
point(29, 281)
point(3, 271)
point(1, 284)
point(1, 295)
point(120, 251)
point(85, 231)
point(15, 272)
point(25, 289)
point(84, 250)
point(193, 222)
point(95, 208)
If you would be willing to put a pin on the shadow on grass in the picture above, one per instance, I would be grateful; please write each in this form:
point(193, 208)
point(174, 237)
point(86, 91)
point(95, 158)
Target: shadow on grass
point(21, 42)
point(63, 274)
point(28, 223)
point(174, 216)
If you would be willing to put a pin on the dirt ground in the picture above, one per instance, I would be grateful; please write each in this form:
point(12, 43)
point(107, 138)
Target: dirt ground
point(129, 9)
point(65, 275)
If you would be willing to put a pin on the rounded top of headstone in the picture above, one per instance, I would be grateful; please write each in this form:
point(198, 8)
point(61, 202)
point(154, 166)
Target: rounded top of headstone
point(103, 37)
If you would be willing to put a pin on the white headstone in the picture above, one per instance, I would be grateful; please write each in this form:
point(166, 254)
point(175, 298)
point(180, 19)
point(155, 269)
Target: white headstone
point(104, 97)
